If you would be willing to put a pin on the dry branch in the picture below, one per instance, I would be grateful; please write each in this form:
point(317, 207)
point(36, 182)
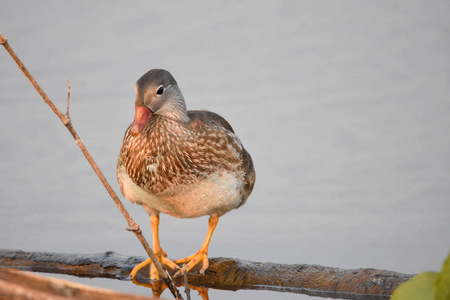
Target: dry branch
point(224, 273)
point(65, 119)
point(19, 285)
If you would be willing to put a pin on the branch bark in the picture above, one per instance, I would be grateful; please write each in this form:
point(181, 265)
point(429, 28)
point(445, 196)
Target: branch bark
point(224, 273)
point(19, 285)
point(65, 119)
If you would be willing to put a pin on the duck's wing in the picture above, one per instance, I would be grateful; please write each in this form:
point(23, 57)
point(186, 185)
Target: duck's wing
point(204, 116)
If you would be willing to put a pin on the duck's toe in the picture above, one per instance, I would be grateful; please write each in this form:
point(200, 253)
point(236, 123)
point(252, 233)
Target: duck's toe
point(198, 261)
point(168, 264)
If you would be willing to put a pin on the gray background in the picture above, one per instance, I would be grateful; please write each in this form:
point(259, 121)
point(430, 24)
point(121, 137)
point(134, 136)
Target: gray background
point(344, 106)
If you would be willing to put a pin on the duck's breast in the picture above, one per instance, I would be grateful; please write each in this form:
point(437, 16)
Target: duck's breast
point(216, 195)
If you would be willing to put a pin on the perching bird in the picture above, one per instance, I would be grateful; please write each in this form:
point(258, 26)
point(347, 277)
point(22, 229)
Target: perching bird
point(182, 163)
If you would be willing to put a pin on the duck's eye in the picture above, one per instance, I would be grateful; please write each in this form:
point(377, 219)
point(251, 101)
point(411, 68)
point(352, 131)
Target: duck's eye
point(160, 90)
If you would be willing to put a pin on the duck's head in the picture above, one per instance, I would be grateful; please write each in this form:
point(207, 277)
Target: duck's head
point(157, 93)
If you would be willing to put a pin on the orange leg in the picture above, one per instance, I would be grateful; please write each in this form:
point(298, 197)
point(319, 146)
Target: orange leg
point(159, 253)
point(199, 259)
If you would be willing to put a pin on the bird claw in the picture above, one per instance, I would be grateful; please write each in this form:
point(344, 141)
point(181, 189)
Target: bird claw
point(154, 275)
point(168, 264)
point(198, 261)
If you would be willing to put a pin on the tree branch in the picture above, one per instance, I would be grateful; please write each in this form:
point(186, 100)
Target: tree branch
point(67, 122)
point(224, 273)
point(19, 285)
point(68, 99)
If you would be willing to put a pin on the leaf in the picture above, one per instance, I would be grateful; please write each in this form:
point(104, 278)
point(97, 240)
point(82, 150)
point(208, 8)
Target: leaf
point(442, 283)
point(420, 287)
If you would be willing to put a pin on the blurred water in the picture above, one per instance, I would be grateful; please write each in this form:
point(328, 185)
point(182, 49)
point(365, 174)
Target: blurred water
point(343, 105)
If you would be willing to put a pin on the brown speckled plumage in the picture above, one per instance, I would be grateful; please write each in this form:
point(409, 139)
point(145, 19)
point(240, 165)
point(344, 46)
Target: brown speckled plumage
point(183, 163)
point(169, 154)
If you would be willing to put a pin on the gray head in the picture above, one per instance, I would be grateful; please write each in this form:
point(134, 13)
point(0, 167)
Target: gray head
point(159, 92)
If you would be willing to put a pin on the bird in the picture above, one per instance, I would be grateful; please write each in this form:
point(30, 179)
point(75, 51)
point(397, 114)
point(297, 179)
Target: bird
point(183, 163)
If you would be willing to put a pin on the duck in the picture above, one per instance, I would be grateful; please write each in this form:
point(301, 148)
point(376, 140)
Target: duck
point(183, 163)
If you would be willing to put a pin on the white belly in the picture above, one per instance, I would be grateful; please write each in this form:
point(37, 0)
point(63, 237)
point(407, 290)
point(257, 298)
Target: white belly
point(214, 196)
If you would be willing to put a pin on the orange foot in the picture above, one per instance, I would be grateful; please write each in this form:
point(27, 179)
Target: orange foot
point(154, 274)
point(194, 262)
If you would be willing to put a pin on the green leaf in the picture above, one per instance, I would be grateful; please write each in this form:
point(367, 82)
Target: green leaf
point(420, 287)
point(442, 283)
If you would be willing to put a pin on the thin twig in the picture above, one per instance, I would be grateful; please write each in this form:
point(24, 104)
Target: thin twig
point(68, 99)
point(67, 122)
point(187, 289)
